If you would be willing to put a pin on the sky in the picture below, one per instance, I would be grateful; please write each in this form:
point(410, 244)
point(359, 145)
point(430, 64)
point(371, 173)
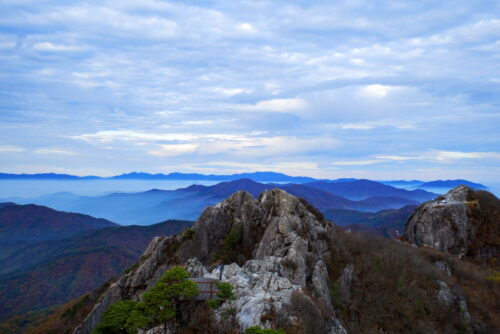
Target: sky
point(359, 88)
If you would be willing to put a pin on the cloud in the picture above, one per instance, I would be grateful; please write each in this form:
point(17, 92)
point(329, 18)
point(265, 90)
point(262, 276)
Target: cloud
point(47, 46)
point(451, 156)
point(8, 149)
point(173, 150)
point(376, 90)
point(275, 105)
point(355, 162)
point(340, 87)
point(54, 151)
point(441, 156)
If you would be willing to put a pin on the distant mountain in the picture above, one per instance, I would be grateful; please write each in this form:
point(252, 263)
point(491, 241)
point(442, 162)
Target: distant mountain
point(386, 223)
point(452, 184)
point(49, 273)
point(362, 189)
point(144, 208)
point(45, 176)
point(403, 183)
point(21, 225)
point(257, 176)
point(374, 204)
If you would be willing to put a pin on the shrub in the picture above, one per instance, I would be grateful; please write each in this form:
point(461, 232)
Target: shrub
point(116, 319)
point(188, 233)
point(494, 277)
point(229, 252)
point(213, 303)
point(159, 305)
point(225, 291)
point(309, 315)
point(288, 263)
point(258, 330)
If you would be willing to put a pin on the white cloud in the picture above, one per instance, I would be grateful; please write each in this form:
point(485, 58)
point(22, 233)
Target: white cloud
point(130, 135)
point(450, 156)
point(246, 27)
point(275, 105)
point(376, 90)
point(54, 151)
point(355, 162)
point(8, 148)
point(48, 46)
point(244, 81)
point(173, 150)
point(229, 91)
point(394, 158)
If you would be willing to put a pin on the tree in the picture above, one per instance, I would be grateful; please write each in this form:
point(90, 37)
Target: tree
point(159, 304)
point(116, 319)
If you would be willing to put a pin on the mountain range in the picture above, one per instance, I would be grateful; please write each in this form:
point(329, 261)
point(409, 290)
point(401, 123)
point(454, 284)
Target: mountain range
point(442, 184)
point(53, 269)
point(255, 176)
point(144, 208)
point(385, 223)
point(22, 225)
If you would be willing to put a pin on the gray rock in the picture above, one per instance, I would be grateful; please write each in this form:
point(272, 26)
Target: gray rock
point(280, 251)
point(442, 266)
point(448, 298)
point(463, 222)
point(345, 282)
point(444, 294)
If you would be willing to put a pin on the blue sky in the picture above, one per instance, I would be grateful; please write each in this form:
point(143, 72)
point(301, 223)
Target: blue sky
point(374, 89)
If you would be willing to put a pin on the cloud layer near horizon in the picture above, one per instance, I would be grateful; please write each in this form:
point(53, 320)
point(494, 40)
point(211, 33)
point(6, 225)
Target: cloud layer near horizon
point(392, 89)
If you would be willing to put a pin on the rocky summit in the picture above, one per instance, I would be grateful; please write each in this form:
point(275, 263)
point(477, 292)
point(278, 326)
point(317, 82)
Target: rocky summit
point(293, 271)
point(280, 250)
point(463, 222)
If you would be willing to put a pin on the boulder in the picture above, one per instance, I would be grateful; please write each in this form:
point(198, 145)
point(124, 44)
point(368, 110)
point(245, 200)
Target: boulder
point(463, 222)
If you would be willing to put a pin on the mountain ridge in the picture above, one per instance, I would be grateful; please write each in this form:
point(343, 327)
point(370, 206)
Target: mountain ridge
point(48, 273)
point(21, 225)
point(187, 203)
point(256, 176)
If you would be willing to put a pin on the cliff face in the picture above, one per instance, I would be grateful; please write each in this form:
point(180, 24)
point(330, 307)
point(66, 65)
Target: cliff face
point(463, 222)
point(273, 245)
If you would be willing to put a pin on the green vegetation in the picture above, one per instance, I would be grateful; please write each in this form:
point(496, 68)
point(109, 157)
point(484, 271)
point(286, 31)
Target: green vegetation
point(213, 303)
point(70, 312)
point(494, 277)
point(117, 319)
point(258, 330)
point(229, 252)
point(225, 294)
point(188, 233)
point(158, 307)
point(225, 291)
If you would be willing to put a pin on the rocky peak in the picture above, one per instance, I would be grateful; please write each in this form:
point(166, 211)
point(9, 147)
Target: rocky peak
point(463, 222)
point(272, 246)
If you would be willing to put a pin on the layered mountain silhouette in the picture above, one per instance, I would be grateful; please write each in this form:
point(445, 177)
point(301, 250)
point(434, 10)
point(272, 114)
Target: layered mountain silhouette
point(255, 176)
point(49, 273)
point(386, 223)
point(452, 184)
point(22, 225)
point(362, 189)
point(144, 208)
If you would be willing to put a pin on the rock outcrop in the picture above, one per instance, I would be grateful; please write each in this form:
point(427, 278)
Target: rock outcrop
point(272, 246)
point(463, 222)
